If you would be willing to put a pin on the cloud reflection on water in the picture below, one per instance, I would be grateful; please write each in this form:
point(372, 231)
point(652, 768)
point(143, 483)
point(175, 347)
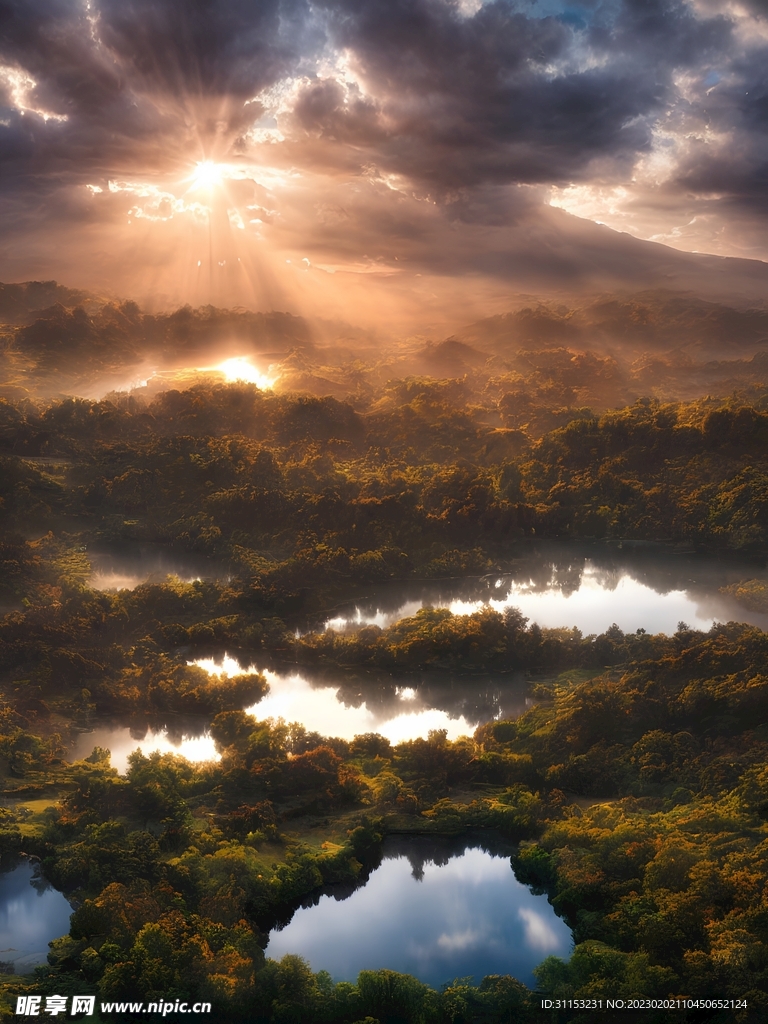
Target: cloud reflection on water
point(469, 916)
point(31, 916)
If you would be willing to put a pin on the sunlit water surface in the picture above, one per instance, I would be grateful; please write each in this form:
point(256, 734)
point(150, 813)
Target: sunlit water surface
point(32, 914)
point(561, 585)
point(293, 698)
point(469, 917)
point(121, 742)
point(599, 601)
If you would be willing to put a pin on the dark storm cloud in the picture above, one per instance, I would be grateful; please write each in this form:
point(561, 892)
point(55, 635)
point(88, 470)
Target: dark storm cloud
point(452, 102)
point(75, 79)
point(93, 50)
point(503, 96)
point(234, 47)
point(134, 78)
point(733, 105)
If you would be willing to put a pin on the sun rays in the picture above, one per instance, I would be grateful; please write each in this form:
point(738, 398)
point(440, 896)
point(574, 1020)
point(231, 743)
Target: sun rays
point(207, 175)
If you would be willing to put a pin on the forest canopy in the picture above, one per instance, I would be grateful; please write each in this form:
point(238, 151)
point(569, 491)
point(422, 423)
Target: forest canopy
point(632, 790)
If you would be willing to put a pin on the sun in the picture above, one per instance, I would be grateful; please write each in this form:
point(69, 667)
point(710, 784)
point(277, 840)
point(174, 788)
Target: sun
point(240, 368)
point(206, 174)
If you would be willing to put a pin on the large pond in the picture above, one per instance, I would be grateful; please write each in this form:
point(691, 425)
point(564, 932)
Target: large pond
point(400, 709)
point(636, 586)
point(434, 916)
point(32, 914)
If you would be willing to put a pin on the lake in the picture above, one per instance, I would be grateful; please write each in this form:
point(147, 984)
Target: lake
point(432, 914)
point(32, 914)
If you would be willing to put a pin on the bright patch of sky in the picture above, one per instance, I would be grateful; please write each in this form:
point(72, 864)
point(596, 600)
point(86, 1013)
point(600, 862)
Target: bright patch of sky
point(20, 86)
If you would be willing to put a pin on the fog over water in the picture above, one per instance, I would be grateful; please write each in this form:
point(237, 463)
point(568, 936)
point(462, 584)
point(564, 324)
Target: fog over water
point(587, 586)
point(556, 585)
point(600, 601)
point(127, 565)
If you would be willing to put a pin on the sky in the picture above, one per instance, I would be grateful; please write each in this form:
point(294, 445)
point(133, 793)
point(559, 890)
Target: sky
point(378, 159)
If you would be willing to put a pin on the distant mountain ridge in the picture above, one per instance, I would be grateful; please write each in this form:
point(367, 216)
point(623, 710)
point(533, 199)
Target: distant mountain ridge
point(658, 320)
point(18, 301)
point(78, 327)
point(557, 253)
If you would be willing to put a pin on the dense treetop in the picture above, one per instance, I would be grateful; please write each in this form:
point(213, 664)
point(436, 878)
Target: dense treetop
point(633, 792)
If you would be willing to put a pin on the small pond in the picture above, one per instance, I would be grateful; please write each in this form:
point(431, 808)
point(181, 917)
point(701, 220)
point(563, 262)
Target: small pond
point(32, 914)
point(121, 741)
point(431, 914)
point(124, 566)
